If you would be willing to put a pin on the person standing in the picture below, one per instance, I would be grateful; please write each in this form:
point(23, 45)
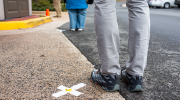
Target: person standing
point(77, 13)
point(108, 41)
point(57, 6)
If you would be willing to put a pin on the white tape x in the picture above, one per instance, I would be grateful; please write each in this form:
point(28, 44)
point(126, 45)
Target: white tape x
point(71, 90)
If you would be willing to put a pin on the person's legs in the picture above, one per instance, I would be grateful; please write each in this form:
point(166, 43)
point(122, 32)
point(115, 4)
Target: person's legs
point(107, 34)
point(139, 35)
point(73, 18)
point(57, 6)
point(108, 42)
point(81, 17)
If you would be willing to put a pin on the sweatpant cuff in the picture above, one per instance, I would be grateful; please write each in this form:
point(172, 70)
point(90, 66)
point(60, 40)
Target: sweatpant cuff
point(134, 74)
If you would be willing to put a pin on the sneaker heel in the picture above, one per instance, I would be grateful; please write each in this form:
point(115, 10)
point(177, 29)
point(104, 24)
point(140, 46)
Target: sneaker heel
point(111, 88)
point(135, 88)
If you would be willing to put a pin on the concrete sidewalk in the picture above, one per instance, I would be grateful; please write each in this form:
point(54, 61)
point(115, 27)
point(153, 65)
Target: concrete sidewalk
point(35, 61)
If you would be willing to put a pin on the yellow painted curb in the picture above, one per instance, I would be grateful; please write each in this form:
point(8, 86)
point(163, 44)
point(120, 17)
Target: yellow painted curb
point(24, 24)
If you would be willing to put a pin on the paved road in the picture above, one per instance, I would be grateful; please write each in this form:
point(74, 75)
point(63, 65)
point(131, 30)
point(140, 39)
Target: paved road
point(162, 74)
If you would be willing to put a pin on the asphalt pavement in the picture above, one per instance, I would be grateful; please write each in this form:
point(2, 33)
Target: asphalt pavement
point(162, 74)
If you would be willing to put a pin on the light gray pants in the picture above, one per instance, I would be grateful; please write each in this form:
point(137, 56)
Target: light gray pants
point(108, 40)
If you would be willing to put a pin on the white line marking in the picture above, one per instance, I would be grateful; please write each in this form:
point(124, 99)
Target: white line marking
point(71, 90)
point(61, 30)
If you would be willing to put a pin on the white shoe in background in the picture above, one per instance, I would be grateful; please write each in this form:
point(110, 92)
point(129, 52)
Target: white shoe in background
point(72, 29)
point(80, 29)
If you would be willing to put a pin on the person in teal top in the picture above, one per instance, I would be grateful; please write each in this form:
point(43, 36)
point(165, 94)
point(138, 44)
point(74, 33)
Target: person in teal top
point(77, 13)
point(76, 4)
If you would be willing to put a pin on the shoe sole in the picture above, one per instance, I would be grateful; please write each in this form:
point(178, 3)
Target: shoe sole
point(137, 88)
point(108, 88)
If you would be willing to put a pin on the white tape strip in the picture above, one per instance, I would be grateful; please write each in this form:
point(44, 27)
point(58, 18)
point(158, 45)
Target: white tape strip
point(71, 90)
point(61, 30)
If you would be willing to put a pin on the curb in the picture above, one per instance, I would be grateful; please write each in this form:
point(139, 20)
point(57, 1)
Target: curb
point(51, 13)
point(11, 25)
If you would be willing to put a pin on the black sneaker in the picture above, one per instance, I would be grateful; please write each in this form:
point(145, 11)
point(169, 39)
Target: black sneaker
point(135, 83)
point(108, 83)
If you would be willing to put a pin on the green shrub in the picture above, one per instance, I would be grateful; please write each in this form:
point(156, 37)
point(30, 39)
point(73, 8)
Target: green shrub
point(63, 8)
point(42, 5)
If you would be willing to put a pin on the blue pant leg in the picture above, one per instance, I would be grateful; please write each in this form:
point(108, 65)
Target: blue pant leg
point(73, 18)
point(81, 17)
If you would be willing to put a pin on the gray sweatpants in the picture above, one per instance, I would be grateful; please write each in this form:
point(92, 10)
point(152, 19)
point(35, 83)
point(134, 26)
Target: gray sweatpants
point(108, 40)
